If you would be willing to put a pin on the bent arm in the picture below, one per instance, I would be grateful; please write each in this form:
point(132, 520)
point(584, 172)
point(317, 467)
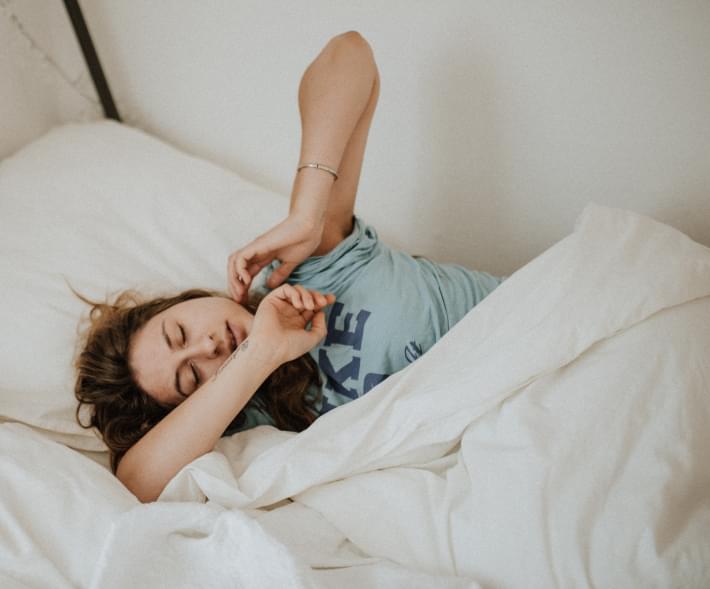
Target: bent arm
point(336, 98)
point(195, 425)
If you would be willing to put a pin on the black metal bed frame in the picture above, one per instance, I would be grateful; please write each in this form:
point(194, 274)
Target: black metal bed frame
point(92, 59)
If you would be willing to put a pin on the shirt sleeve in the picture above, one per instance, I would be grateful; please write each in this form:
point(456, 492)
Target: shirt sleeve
point(251, 417)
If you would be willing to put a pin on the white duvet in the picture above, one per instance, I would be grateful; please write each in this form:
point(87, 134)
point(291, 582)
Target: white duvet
point(558, 436)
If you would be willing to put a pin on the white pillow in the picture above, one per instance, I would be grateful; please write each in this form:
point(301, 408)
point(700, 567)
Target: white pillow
point(107, 207)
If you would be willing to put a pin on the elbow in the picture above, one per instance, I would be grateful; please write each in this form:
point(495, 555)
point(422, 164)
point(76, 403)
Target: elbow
point(352, 37)
point(141, 489)
point(352, 41)
point(142, 492)
point(144, 497)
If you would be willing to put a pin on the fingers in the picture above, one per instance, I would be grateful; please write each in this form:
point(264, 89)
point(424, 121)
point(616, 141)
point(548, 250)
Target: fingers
point(299, 297)
point(236, 289)
point(234, 281)
point(242, 266)
point(304, 299)
point(318, 327)
point(290, 313)
point(309, 300)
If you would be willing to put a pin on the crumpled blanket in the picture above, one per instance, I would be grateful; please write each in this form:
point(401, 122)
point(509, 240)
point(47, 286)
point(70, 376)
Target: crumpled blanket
point(556, 437)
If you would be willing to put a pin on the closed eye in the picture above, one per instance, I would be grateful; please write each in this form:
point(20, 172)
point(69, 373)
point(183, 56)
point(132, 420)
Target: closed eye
point(195, 374)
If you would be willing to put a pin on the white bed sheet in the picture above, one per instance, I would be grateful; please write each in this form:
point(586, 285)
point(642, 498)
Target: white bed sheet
point(556, 437)
point(561, 426)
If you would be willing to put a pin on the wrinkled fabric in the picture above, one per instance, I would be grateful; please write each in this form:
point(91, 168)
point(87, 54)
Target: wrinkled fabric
point(555, 437)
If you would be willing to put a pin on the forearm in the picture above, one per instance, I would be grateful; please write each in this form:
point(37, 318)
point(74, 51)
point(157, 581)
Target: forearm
point(333, 94)
point(195, 425)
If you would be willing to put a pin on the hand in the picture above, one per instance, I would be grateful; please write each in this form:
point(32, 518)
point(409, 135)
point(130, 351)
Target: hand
point(281, 319)
point(291, 242)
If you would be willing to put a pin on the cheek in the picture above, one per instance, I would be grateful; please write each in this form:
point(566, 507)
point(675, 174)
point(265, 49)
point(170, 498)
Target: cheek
point(213, 366)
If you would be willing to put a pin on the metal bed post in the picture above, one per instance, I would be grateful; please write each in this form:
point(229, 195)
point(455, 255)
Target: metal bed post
point(92, 59)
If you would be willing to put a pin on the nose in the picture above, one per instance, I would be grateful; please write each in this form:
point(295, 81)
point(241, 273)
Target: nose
point(204, 347)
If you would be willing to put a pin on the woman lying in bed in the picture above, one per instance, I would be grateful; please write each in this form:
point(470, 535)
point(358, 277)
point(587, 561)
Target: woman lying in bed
point(168, 377)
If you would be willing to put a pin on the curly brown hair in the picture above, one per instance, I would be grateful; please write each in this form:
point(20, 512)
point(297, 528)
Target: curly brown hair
point(123, 412)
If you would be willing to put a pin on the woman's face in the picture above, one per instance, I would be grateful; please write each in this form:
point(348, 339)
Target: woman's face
point(183, 346)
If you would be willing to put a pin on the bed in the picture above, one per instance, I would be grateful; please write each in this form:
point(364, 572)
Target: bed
point(556, 437)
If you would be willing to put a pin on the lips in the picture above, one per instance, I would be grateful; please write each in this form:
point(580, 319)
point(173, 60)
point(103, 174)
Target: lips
point(231, 338)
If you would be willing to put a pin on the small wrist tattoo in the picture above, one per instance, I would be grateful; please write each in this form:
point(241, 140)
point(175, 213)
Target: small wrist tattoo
point(243, 346)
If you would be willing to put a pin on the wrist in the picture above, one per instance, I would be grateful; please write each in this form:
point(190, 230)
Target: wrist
point(254, 360)
point(262, 355)
point(311, 221)
point(310, 195)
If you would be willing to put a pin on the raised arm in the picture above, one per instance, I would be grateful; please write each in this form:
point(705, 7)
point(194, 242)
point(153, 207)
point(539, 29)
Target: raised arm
point(337, 98)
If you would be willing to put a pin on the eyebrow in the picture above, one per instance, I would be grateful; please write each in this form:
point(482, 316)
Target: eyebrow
point(177, 375)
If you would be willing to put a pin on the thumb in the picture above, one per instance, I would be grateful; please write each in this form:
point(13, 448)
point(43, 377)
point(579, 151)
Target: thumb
point(318, 328)
point(280, 274)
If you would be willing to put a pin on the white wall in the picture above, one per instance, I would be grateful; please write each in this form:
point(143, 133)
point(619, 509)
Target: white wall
point(43, 79)
point(497, 121)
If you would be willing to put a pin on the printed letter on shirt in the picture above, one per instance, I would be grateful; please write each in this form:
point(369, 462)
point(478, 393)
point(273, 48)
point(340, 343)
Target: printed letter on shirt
point(345, 336)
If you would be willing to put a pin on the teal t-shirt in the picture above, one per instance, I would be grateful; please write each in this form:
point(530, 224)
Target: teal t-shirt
point(390, 309)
